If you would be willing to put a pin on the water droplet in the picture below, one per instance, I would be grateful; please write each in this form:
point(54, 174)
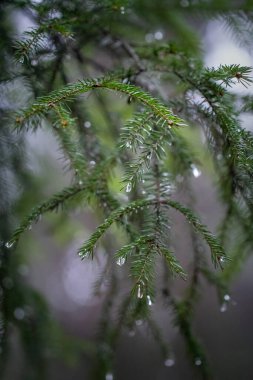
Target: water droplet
point(19, 313)
point(121, 261)
point(139, 322)
point(122, 10)
point(9, 244)
point(34, 62)
point(223, 307)
point(227, 297)
point(87, 124)
point(131, 333)
point(128, 145)
point(169, 362)
point(84, 254)
point(109, 376)
point(143, 192)
point(21, 60)
point(139, 291)
point(195, 171)
point(92, 163)
point(128, 187)
point(149, 301)
point(80, 182)
point(198, 361)
point(158, 35)
point(222, 259)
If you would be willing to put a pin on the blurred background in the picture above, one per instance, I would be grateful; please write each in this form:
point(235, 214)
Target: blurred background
point(46, 256)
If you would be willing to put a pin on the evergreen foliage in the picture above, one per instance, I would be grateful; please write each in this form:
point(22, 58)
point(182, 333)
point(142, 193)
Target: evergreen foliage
point(104, 54)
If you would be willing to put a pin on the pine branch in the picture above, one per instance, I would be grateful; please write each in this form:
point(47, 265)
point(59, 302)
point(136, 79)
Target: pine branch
point(36, 39)
point(172, 262)
point(123, 253)
point(230, 74)
point(85, 186)
point(41, 107)
point(217, 252)
point(53, 204)
point(87, 249)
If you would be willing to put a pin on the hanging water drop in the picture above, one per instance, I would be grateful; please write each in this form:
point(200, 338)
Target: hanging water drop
point(34, 62)
point(19, 313)
point(131, 333)
point(149, 301)
point(92, 163)
point(80, 182)
point(84, 255)
point(138, 322)
point(128, 187)
point(198, 361)
point(223, 307)
point(121, 261)
point(9, 244)
point(227, 297)
point(109, 376)
point(87, 124)
point(139, 291)
point(169, 362)
point(158, 35)
point(195, 171)
point(122, 10)
point(128, 145)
